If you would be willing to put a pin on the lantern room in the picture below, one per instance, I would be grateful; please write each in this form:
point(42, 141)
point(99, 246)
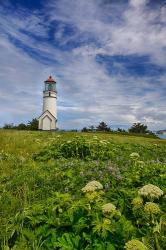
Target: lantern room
point(50, 84)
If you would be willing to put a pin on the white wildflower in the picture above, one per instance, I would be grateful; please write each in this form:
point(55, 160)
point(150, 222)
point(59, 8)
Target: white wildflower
point(92, 186)
point(108, 208)
point(150, 191)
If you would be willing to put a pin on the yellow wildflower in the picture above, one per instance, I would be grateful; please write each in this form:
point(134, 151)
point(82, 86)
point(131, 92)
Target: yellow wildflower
point(137, 202)
point(152, 208)
point(134, 156)
point(135, 245)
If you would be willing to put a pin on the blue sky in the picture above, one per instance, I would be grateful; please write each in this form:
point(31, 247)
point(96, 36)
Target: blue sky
point(108, 57)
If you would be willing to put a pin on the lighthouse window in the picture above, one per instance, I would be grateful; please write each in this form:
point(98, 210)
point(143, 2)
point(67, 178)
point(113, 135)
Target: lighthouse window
point(53, 87)
point(47, 87)
point(50, 87)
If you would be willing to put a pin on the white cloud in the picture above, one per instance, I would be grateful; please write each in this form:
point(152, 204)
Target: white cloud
point(138, 3)
point(21, 83)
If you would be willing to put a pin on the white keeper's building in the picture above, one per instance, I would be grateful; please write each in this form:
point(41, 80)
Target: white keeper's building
point(48, 119)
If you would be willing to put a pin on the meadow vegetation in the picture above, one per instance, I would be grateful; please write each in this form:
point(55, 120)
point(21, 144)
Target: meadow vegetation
point(88, 191)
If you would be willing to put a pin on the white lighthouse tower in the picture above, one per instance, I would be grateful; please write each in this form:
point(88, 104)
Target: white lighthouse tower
point(48, 119)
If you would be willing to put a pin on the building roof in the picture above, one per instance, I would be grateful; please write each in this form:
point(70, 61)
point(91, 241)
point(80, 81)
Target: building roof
point(47, 112)
point(50, 80)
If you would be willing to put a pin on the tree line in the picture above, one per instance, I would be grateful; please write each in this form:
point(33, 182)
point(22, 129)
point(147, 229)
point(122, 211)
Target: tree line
point(136, 128)
point(31, 125)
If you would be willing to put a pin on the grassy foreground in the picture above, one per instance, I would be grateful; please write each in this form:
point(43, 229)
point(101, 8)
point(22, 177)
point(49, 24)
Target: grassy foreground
point(82, 191)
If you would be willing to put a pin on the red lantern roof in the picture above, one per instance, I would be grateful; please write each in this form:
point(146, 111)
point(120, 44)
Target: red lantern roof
point(50, 79)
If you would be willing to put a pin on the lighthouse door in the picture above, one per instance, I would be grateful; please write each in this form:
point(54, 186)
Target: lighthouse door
point(46, 123)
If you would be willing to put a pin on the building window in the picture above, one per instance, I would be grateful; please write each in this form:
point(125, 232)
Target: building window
point(49, 94)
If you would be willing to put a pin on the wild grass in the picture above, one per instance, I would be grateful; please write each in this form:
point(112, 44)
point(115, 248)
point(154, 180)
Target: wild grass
point(42, 176)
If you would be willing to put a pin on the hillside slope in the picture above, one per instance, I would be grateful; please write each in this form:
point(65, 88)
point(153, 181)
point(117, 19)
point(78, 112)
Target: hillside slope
point(81, 191)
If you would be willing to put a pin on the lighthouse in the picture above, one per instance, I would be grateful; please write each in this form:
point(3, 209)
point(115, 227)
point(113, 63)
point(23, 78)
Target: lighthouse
point(48, 119)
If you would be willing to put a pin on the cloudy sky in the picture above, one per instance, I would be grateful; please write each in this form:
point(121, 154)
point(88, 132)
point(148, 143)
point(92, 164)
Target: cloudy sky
point(108, 57)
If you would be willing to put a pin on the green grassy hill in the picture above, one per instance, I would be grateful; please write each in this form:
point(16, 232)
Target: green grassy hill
point(81, 191)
